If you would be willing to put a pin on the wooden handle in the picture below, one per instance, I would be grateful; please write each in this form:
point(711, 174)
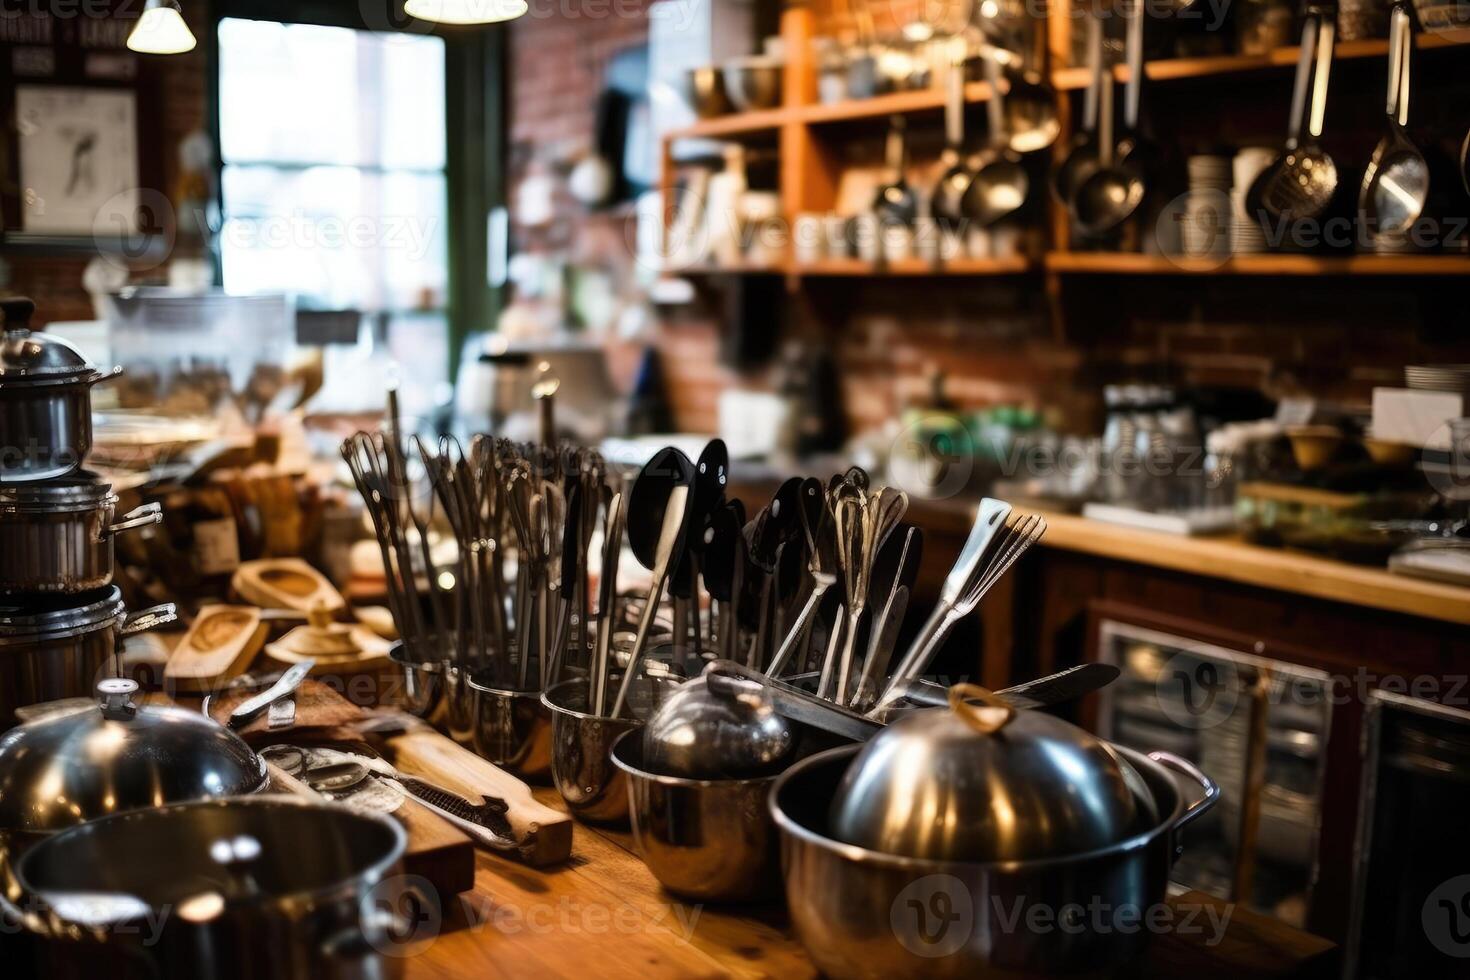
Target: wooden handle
point(543, 836)
point(986, 719)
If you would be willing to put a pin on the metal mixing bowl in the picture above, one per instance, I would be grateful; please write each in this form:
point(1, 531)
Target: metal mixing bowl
point(983, 782)
point(509, 728)
point(704, 90)
point(709, 840)
point(594, 789)
point(421, 682)
point(861, 913)
point(753, 83)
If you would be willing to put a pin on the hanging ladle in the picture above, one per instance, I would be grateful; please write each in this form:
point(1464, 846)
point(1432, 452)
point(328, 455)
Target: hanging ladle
point(1112, 193)
point(1000, 184)
point(1081, 159)
point(947, 199)
point(1300, 183)
point(1031, 102)
point(1396, 183)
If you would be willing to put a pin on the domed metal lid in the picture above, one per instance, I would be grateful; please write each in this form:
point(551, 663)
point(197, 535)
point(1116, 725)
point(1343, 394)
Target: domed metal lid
point(62, 770)
point(984, 783)
point(717, 727)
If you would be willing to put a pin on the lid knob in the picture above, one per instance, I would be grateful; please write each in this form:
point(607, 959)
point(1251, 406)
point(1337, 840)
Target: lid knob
point(15, 313)
point(115, 695)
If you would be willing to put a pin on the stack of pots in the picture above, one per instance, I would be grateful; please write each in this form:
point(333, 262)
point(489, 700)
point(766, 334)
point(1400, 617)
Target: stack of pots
point(61, 617)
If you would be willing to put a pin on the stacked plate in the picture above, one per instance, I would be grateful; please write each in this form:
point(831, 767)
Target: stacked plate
point(1206, 225)
point(1246, 234)
point(1439, 377)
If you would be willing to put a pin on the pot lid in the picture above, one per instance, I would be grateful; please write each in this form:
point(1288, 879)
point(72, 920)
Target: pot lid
point(117, 756)
point(718, 727)
point(982, 783)
point(27, 356)
point(54, 616)
point(81, 490)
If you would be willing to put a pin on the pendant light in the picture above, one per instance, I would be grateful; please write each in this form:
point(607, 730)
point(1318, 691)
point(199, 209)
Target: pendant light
point(465, 11)
point(161, 30)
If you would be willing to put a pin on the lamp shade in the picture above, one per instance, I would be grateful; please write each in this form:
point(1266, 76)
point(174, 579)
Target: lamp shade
point(161, 30)
point(465, 11)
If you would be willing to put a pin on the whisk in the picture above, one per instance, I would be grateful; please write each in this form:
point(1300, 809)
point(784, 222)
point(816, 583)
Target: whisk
point(972, 577)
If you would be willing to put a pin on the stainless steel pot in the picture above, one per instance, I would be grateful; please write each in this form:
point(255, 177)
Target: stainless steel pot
point(582, 769)
point(58, 646)
point(422, 682)
point(72, 766)
point(710, 840)
point(509, 728)
point(861, 913)
point(225, 889)
point(45, 400)
point(56, 535)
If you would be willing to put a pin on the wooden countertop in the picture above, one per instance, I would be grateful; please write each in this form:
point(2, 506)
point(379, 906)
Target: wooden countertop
point(1222, 556)
point(604, 915)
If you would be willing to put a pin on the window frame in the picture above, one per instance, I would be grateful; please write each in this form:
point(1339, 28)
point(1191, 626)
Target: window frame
point(474, 113)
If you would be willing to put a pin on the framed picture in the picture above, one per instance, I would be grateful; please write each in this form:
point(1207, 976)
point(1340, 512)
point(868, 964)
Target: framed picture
point(78, 160)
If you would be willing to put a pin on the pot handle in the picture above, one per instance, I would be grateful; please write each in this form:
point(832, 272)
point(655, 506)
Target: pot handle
point(138, 517)
point(149, 618)
point(1192, 772)
point(100, 376)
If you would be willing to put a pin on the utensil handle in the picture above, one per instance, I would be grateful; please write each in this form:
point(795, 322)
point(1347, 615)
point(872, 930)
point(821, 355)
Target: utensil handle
point(1209, 788)
point(645, 623)
point(138, 517)
point(986, 722)
point(1406, 61)
point(147, 619)
point(995, 107)
point(1091, 97)
point(893, 152)
point(920, 652)
point(797, 631)
point(1395, 60)
point(954, 105)
point(1326, 34)
point(1300, 82)
point(1134, 57)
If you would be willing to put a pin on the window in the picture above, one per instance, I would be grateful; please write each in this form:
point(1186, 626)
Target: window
point(333, 188)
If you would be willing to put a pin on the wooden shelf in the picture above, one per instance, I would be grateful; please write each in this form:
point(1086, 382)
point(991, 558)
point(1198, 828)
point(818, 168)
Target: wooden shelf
point(1064, 79)
point(735, 124)
point(1122, 263)
point(919, 100)
point(1015, 265)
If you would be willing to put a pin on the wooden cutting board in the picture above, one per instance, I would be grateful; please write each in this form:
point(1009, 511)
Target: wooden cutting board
point(436, 850)
point(220, 645)
point(542, 835)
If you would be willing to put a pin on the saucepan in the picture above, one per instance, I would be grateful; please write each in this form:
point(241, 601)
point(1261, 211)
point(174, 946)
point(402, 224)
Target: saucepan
point(239, 888)
point(57, 535)
point(1042, 818)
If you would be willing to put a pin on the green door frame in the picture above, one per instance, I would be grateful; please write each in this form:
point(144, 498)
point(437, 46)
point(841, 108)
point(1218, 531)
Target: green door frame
point(474, 95)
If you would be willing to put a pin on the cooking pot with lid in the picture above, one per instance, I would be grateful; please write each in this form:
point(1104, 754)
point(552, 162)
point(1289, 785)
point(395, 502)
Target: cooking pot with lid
point(45, 399)
point(1076, 906)
point(57, 646)
point(57, 535)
